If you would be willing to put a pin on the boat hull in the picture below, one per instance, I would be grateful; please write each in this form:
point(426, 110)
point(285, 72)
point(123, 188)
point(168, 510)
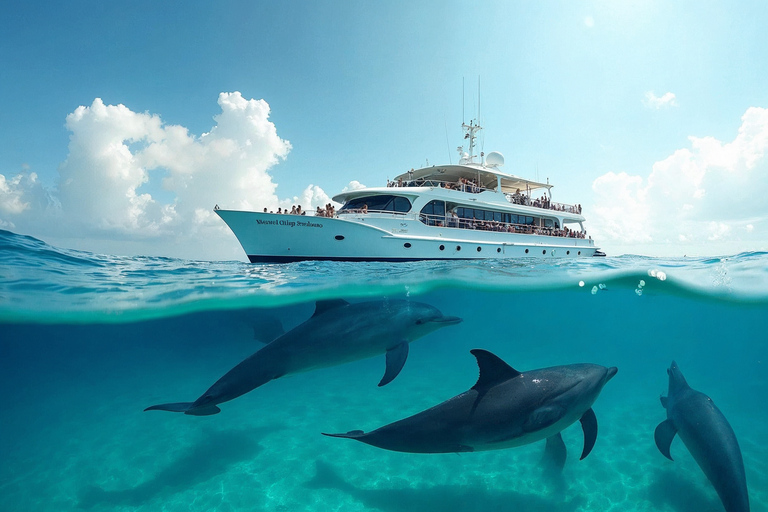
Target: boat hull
point(274, 238)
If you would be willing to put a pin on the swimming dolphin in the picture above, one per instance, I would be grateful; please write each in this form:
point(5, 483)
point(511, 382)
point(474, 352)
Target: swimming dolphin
point(337, 333)
point(707, 435)
point(505, 408)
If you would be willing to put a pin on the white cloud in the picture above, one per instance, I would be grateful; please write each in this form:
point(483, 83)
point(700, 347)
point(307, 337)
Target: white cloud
point(706, 199)
point(666, 100)
point(129, 176)
point(353, 185)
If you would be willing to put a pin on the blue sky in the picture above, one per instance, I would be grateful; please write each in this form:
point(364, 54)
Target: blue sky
point(650, 114)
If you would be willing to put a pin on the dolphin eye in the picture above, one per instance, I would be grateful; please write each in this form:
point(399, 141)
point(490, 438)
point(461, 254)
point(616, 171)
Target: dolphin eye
point(419, 321)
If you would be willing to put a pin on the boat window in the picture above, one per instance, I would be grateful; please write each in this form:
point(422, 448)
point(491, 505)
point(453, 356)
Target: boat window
point(433, 212)
point(434, 208)
point(488, 215)
point(382, 203)
point(402, 204)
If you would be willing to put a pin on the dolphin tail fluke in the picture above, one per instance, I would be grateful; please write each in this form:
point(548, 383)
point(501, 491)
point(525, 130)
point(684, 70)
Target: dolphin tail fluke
point(555, 454)
point(352, 434)
point(663, 436)
point(589, 426)
point(186, 408)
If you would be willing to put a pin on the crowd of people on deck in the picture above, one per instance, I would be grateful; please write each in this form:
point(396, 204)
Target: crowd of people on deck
point(462, 184)
point(328, 211)
point(296, 210)
point(467, 185)
point(454, 221)
point(542, 202)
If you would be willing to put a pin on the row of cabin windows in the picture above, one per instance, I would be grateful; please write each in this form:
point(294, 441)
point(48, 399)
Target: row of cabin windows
point(384, 203)
point(399, 204)
point(437, 208)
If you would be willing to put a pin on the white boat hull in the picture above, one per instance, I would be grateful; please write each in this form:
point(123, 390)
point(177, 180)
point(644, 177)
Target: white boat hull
point(274, 238)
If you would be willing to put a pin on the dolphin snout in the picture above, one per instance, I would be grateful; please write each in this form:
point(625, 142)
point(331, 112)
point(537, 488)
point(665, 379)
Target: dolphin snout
point(610, 373)
point(449, 320)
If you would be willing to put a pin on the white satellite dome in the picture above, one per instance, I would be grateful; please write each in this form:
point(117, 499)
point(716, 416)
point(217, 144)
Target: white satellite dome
point(494, 159)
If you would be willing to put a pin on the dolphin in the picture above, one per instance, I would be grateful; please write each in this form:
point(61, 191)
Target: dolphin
point(337, 333)
point(505, 408)
point(707, 435)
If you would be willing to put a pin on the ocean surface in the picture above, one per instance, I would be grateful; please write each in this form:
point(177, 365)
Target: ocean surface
point(88, 341)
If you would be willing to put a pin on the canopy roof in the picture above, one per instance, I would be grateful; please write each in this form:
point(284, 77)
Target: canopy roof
point(485, 177)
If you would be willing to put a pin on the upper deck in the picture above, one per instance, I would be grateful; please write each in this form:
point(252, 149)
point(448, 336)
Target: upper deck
point(468, 185)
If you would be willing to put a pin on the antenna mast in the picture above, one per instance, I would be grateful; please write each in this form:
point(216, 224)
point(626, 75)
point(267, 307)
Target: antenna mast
point(471, 129)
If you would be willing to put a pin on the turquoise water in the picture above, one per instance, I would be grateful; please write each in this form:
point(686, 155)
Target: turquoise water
point(88, 341)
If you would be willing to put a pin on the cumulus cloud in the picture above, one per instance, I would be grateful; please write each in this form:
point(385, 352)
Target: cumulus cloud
point(129, 175)
point(708, 198)
point(666, 100)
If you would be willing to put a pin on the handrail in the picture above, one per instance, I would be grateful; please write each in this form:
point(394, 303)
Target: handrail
point(472, 188)
point(542, 203)
point(361, 211)
point(502, 227)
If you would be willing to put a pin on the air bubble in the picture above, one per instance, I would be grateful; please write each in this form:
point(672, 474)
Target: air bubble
point(581, 284)
point(594, 290)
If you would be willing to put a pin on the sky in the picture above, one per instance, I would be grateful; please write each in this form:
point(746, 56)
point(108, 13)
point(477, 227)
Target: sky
point(122, 124)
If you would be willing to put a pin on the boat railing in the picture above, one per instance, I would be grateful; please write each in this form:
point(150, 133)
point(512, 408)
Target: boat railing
point(543, 203)
point(449, 221)
point(362, 211)
point(470, 187)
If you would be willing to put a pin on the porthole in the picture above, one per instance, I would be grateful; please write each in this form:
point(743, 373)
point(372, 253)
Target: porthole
point(526, 251)
point(579, 253)
point(498, 249)
point(479, 248)
point(458, 247)
point(339, 237)
point(567, 252)
point(442, 247)
point(407, 245)
point(544, 251)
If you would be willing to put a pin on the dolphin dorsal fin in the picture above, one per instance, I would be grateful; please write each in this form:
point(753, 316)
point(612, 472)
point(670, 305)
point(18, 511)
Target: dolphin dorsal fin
point(322, 306)
point(492, 370)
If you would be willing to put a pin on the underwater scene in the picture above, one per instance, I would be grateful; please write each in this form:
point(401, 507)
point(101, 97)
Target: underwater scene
point(89, 341)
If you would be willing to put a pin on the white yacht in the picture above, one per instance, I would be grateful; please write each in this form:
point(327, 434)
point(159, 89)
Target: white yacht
point(469, 210)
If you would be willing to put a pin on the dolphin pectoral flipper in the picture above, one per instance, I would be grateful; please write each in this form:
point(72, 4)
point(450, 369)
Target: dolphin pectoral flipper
point(174, 407)
point(396, 357)
point(589, 426)
point(186, 408)
point(555, 453)
point(664, 434)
